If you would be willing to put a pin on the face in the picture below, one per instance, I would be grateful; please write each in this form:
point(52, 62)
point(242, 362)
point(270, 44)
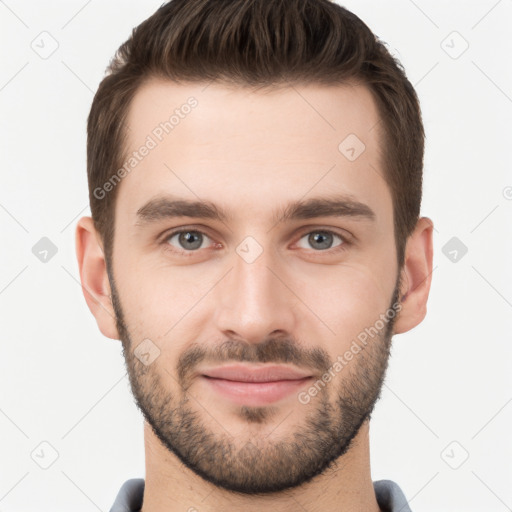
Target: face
point(256, 327)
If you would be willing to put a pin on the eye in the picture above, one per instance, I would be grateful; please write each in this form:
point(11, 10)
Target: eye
point(321, 240)
point(186, 240)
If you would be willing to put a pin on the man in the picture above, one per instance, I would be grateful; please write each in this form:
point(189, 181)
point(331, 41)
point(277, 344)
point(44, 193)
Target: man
point(255, 172)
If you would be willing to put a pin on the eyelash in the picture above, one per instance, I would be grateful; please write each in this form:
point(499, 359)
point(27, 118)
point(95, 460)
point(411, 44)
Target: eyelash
point(335, 250)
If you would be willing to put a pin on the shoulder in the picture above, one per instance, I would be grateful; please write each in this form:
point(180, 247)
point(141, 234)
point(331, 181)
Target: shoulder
point(390, 497)
point(129, 497)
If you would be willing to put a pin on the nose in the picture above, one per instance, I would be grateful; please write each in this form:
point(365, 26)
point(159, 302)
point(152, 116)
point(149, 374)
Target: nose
point(255, 300)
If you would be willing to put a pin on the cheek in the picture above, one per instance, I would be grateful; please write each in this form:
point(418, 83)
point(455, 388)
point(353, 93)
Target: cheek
point(348, 301)
point(158, 300)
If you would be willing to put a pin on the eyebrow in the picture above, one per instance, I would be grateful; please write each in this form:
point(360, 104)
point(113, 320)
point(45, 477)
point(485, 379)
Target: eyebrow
point(167, 207)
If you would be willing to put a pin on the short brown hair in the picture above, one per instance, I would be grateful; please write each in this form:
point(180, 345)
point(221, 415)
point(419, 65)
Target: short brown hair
point(259, 43)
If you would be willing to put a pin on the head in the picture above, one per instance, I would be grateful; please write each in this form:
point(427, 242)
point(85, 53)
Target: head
point(255, 176)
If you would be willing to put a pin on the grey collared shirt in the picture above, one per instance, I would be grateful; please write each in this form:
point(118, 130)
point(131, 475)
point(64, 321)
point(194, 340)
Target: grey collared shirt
point(389, 496)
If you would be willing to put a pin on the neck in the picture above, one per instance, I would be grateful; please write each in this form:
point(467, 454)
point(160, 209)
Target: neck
point(170, 486)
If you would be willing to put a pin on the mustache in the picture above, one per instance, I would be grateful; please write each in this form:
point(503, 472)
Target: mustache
point(272, 350)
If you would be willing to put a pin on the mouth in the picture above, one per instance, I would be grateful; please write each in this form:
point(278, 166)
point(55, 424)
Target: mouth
point(254, 385)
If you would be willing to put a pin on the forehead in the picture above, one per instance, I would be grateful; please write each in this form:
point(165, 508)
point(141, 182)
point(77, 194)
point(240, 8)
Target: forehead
point(204, 139)
point(326, 111)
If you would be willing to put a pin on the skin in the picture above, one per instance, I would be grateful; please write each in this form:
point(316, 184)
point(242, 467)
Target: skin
point(251, 152)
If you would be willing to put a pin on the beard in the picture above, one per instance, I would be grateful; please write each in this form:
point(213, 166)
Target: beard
point(331, 421)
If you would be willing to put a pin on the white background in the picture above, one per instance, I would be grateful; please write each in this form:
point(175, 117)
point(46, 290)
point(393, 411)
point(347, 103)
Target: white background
point(449, 380)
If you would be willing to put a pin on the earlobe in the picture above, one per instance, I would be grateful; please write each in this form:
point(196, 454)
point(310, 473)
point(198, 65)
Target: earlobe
point(94, 277)
point(416, 277)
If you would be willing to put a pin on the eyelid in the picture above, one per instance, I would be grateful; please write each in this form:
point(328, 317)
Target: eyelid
point(344, 235)
point(173, 231)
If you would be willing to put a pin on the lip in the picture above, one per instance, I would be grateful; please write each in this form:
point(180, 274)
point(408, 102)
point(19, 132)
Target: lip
point(251, 373)
point(252, 385)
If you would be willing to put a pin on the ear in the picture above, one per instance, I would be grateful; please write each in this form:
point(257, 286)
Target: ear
point(416, 276)
point(94, 277)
